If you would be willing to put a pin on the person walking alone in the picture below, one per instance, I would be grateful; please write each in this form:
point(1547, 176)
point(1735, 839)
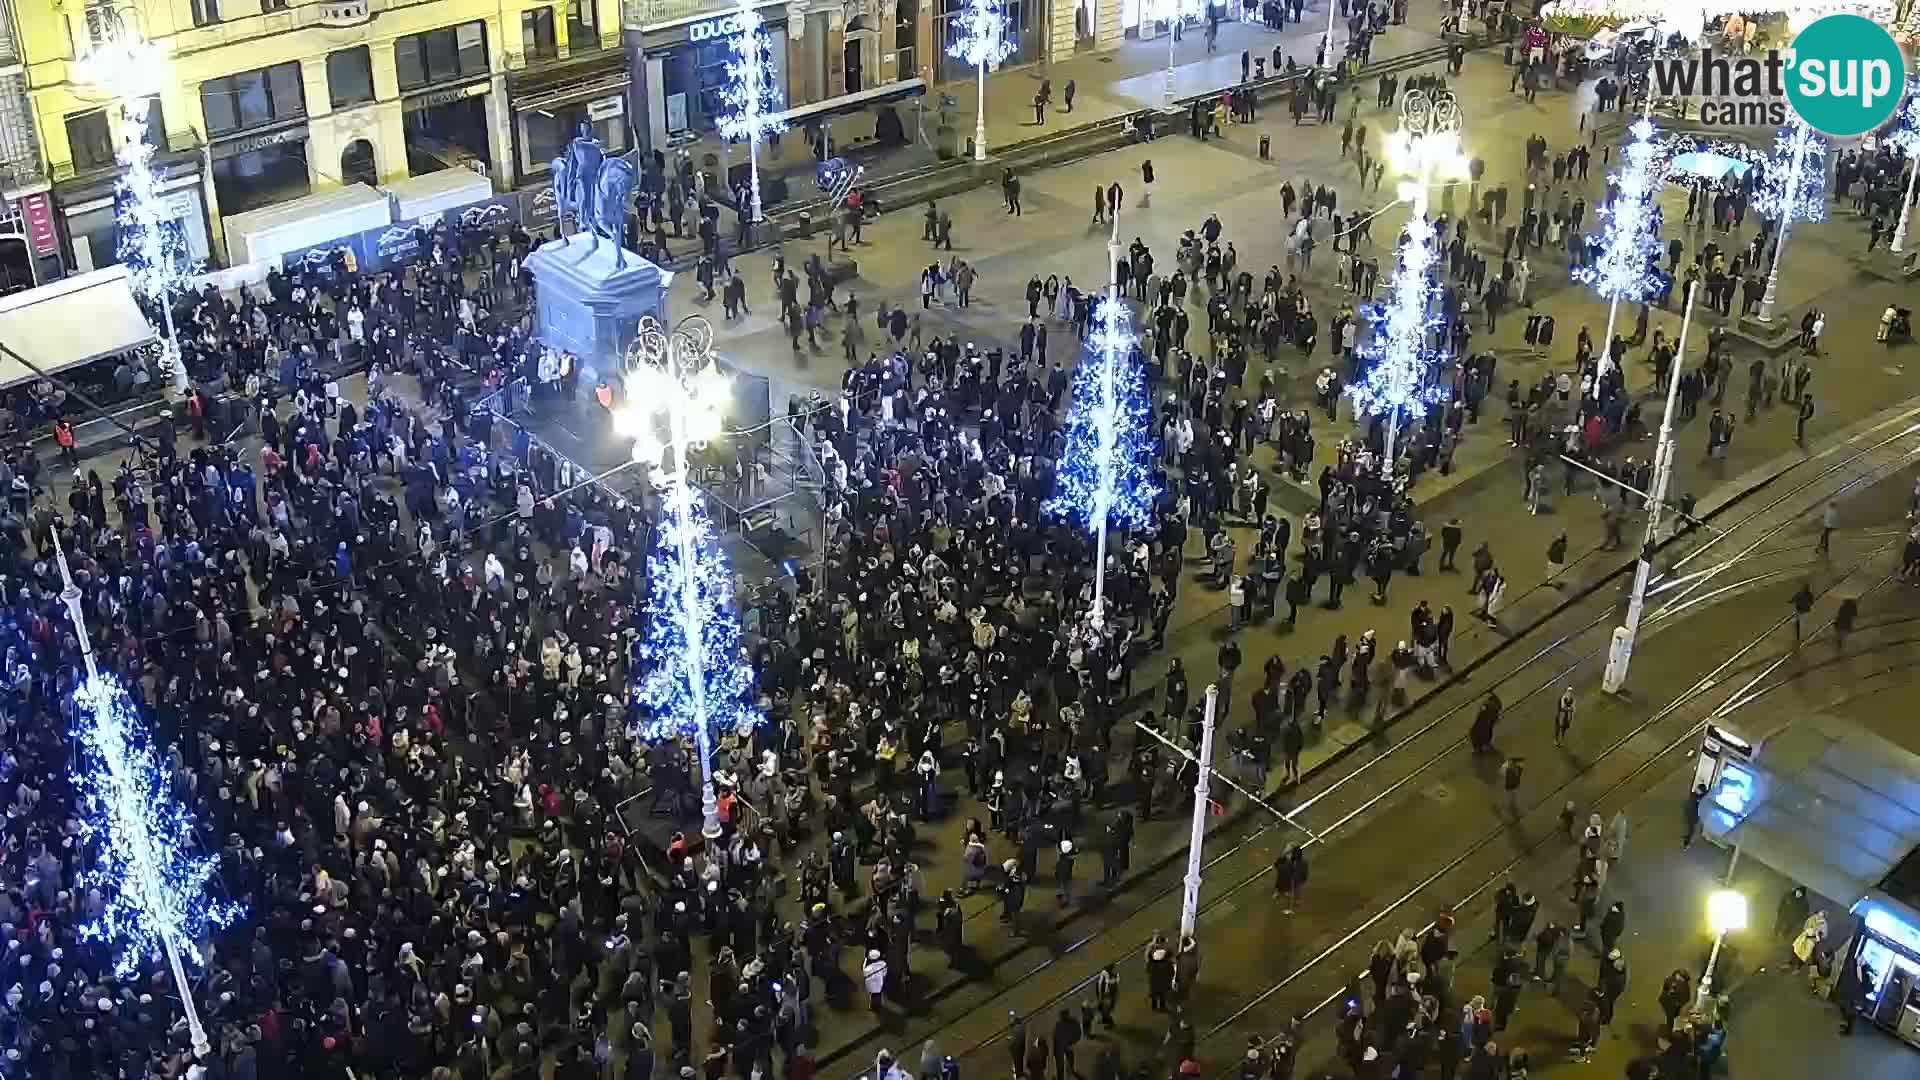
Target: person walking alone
point(1563, 718)
point(1290, 876)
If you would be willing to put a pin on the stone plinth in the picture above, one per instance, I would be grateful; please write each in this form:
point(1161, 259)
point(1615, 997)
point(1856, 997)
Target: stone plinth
point(587, 307)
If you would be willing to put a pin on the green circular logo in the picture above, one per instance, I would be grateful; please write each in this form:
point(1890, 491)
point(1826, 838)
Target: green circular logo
point(1846, 75)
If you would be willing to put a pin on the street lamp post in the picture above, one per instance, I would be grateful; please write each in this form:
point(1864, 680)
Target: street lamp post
point(980, 38)
point(1791, 193)
point(1174, 16)
point(1905, 136)
point(1772, 292)
point(1906, 207)
point(1620, 651)
point(1190, 896)
point(1425, 148)
point(673, 373)
point(1326, 43)
point(132, 70)
point(1109, 435)
point(142, 864)
point(1726, 914)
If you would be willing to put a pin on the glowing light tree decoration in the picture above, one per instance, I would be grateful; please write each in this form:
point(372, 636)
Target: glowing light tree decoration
point(1904, 134)
point(1793, 189)
point(698, 679)
point(1106, 474)
point(154, 888)
point(752, 101)
point(1400, 354)
point(150, 245)
point(980, 38)
point(1627, 268)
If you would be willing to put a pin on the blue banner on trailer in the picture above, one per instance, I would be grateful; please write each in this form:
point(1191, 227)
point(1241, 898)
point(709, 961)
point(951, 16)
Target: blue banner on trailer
point(396, 244)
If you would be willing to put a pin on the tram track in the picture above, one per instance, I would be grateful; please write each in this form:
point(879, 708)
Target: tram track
point(1657, 727)
point(1247, 857)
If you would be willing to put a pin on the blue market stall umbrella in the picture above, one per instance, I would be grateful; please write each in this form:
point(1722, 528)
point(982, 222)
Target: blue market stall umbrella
point(1709, 165)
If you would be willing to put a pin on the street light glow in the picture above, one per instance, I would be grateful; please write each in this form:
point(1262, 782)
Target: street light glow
point(1727, 911)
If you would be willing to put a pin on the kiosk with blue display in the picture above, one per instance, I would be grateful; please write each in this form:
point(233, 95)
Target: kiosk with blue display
point(1836, 808)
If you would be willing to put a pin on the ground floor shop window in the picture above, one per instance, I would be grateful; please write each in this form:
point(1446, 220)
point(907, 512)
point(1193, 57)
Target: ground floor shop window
point(262, 177)
point(448, 135)
point(545, 133)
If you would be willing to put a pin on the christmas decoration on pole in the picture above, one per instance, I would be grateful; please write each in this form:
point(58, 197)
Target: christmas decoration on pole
point(155, 891)
point(1904, 135)
point(1106, 476)
point(980, 38)
point(1793, 188)
point(1628, 266)
point(149, 241)
point(1401, 352)
point(697, 678)
point(751, 102)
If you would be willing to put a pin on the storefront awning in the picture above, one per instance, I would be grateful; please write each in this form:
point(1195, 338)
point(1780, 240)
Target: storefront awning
point(885, 94)
point(1826, 803)
point(69, 322)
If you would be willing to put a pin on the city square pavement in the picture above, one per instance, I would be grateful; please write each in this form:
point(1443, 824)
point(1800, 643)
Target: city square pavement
point(1854, 377)
point(1109, 84)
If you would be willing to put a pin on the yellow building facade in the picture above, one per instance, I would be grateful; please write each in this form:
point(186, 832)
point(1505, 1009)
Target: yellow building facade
point(267, 100)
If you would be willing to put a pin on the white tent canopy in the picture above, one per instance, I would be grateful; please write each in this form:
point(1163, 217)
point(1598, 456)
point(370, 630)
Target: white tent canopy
point(69, 322)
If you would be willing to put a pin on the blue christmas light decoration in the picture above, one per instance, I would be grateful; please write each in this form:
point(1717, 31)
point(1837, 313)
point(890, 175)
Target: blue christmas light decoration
point(691, 636)
point(154, 888)
point(1629, 244)
point(980, 34)
point(1903, 131)
point(1786, 193)
point(1106, 474)
point(1399, 357)
point(751, 101)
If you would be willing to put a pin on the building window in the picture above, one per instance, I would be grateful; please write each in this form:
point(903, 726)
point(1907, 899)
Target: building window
point(906, 32)
point(274, 5)
point(456, 52)
point(156, 124)
point(583, 26)
point(253, 99)
point(206, 12)
point(350, 77)
point(90, 140)
point(536, 34)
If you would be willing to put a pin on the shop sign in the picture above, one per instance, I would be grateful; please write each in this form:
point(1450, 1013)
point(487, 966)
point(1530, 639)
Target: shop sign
point(606, 108)
point(37, 211)
point(538, 207)
point(713, 29)
point(435, 98)
point(249, 144)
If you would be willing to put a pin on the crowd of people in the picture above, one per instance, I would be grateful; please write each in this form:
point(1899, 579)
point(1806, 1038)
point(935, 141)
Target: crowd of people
point(388, 656)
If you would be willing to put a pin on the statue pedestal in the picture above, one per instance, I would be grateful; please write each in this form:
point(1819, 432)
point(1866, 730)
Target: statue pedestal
point(587, 307)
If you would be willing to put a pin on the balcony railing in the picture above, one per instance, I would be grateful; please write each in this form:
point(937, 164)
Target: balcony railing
point(577, 48)
point(639, 13)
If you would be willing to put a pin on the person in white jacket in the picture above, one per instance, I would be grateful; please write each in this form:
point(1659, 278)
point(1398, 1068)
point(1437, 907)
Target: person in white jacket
point(874, 975)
